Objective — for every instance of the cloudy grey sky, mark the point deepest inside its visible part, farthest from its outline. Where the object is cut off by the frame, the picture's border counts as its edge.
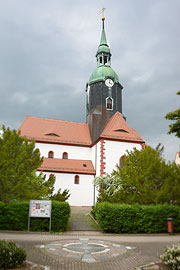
(47, 54)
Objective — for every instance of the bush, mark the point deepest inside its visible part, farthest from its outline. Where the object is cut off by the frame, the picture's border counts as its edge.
(14, 216)
(125, 218)
(11, 254)
(171, 257)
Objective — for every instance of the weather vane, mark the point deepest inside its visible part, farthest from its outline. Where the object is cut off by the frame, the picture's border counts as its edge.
(102, 11)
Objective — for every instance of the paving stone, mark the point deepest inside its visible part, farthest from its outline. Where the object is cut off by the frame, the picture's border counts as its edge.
(148, 249)
(88, 258)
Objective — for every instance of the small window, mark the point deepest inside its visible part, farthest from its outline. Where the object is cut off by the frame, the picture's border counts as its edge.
(121, 130)
(122, 161)
(65, 155)
(105, 60)
(76, 179)
(52, 134)
(100, 59)
(109, 103)
(84, 165)
(51, 154)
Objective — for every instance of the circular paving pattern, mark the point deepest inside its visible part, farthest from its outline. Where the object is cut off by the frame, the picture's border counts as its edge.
(85, 249)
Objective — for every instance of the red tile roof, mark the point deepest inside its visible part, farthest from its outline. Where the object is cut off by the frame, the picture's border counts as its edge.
(67, 165)
(56, 131)
(118, 129)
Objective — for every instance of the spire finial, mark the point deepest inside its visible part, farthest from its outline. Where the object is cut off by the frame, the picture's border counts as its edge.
(103, 18)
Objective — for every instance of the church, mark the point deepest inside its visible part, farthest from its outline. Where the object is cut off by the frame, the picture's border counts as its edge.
(77, 152)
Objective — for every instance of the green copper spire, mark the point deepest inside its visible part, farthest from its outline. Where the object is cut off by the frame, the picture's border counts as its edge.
(103, 36)
(103, 46)
(103, 56)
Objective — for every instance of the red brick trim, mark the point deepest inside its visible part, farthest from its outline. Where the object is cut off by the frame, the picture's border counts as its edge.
(102, 158)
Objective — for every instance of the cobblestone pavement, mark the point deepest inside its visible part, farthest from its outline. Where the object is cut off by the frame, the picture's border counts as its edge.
(80, 220)
(147, 249)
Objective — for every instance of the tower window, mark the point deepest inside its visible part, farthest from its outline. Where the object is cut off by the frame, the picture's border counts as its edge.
(100, 59)
(105, 60)
(65, 155)
(109, 103)
(76, 179)
(51, 154)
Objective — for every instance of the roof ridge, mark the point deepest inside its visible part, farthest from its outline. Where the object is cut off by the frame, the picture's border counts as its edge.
(50, 119)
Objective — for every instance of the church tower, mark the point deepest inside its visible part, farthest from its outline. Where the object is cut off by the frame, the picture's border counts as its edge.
(104, 91)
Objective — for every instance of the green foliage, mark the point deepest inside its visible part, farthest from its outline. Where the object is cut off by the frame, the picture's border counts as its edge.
(171, 257)
(19, 161)
(124, 218)
(11, 255)
(174, 115)
(60, 215)
(145, 178)
(14, 216)
(107, 187)
(61, 196)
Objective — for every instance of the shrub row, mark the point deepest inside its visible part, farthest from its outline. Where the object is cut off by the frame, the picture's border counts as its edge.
(124, 218)
(14, 216)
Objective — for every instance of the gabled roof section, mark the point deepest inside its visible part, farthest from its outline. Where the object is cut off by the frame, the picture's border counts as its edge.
(118, 129)
(67, 165)
(55, 131)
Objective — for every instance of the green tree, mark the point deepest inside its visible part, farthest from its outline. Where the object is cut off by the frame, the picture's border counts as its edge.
(174, 115)
(145, 178)
(61, 196)
(19, 161)
(107, 187)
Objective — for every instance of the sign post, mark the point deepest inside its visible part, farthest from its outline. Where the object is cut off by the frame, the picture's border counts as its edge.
(40, 209)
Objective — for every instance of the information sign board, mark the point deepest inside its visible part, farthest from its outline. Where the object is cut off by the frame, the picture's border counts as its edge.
(41, 209)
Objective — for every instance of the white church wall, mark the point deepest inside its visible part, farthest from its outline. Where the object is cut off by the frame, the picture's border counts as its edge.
(177, 158)
(96, 158)
(82, 194)
(74, 152)
(114, 150)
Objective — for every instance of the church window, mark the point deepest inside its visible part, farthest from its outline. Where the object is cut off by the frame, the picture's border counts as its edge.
(122, 161)
(51, 154)
(109, 103)
(100, 59)
(65, 155)
(76, 179)
(105, 60)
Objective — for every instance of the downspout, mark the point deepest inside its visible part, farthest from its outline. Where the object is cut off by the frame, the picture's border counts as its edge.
(94, 201)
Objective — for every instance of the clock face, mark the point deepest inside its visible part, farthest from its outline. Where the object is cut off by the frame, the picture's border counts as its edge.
(109, 83)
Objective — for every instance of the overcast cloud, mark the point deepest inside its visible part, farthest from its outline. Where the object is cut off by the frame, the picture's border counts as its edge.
(47, 54)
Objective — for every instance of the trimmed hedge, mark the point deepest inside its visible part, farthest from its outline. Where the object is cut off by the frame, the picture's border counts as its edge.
(124, 218)
(14, 216)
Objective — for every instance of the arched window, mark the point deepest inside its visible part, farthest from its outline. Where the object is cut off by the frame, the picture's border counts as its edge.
(51, 154)
(122, 161)
(65, 155)
(76, 179)
(109, 103)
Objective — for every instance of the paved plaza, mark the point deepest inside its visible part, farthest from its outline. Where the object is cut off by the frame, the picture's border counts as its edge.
(91, 249)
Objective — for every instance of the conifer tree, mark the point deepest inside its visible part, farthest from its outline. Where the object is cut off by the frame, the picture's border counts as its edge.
(19, 161)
